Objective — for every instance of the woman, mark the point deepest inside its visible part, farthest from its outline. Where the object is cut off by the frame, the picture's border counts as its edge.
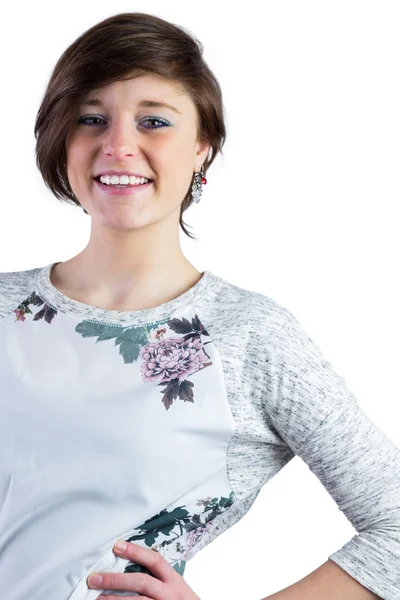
(200, 391)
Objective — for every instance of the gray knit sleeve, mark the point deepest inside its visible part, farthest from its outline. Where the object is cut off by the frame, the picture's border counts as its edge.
(14, 287)
(310, 406)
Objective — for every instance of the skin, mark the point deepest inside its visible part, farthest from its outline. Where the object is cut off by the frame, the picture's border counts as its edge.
(164, 584)
(134, 251)
(133, 259)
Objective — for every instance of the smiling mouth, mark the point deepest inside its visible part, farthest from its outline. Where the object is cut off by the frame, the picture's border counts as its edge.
(122, 185)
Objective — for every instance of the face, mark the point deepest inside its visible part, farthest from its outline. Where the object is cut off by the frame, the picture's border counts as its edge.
(119, 134)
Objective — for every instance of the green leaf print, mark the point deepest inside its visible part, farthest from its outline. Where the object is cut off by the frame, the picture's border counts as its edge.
(130, 340)
(168, 360)
(164, 522)
(180, 566)
(182, 529)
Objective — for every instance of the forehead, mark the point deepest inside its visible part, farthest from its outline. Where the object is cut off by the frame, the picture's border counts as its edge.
(143, 103)
(145, 91)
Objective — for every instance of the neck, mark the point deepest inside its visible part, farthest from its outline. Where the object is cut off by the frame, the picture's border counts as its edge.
(123, 287)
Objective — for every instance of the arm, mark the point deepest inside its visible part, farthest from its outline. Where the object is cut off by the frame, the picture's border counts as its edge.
(359, 466)
(328, 582)
(312, 409)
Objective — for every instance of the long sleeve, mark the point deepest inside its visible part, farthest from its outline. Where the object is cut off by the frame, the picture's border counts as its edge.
(318, 417)
(264, 394)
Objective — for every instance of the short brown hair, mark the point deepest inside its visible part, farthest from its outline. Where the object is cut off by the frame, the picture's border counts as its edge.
(122, 47)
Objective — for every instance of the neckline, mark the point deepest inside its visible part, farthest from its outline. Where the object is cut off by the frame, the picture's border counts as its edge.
(146, 316)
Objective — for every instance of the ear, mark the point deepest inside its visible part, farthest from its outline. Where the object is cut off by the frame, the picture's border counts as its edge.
(202, 151)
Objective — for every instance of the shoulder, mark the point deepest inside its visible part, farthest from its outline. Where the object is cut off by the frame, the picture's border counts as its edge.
(272, 342)
(263, 315)
(14, 287)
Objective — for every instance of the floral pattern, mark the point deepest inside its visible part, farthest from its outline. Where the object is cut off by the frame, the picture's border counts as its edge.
(168, 353)
(170, 361)
(187, 530)
(47, 313)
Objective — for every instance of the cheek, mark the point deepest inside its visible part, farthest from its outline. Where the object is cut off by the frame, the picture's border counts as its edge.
(178, 182)
(80, 149)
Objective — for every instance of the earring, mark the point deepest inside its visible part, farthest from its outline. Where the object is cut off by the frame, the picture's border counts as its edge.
(197, 185)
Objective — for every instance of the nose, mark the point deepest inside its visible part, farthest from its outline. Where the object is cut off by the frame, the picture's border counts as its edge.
(122, 138)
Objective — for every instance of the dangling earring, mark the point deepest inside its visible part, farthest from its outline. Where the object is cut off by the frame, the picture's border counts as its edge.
(197, 185)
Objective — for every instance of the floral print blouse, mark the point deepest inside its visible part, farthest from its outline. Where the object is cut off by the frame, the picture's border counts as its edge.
(160, 426)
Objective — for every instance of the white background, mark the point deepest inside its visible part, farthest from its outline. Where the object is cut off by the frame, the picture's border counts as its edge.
(302, 207)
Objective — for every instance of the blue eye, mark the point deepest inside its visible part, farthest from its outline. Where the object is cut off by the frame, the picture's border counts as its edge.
(163, 122)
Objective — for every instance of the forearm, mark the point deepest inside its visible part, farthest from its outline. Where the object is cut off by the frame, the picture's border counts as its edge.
(328, 582)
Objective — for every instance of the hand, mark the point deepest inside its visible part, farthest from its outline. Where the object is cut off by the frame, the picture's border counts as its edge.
(166, 584)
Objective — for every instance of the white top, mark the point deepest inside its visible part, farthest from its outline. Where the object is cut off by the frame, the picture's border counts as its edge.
(160, 426)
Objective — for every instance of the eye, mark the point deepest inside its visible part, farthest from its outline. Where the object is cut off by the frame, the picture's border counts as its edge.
(163, 122)
(85, 119)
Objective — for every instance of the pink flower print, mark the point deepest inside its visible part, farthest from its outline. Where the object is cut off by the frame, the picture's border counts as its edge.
(173, 358)
(20, 314)
(193, 537)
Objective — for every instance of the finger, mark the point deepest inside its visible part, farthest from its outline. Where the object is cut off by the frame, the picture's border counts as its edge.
(149, 558)
(112, 597)
(130, 582)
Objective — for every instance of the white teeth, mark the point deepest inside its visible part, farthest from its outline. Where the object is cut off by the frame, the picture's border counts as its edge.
(123, 180)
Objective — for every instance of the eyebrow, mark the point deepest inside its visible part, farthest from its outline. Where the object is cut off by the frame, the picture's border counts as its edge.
(141, 104)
